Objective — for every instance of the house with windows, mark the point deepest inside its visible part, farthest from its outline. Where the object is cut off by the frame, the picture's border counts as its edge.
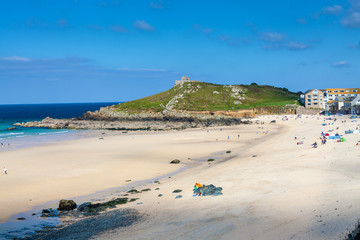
(333, 100)
(341, 104)
(342, 94)
(314, 98)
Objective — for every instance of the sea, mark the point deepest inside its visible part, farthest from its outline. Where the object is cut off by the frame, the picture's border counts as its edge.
(18, 113)
(12, 139)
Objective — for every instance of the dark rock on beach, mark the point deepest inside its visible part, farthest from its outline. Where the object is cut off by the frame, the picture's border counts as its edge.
(66, 205)
(89, 207)
(49, 213)
(177, 191)
(175, 161)
(90, 227)
(133, 191)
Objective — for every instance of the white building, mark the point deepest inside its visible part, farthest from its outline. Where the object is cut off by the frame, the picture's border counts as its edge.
(355, 105)
(332, 94)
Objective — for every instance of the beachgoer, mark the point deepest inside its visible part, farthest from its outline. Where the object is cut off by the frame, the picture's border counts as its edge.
(5, 170)
(228, 137)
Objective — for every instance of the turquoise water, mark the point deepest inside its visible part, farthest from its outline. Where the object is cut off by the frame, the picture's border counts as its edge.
(10, 114)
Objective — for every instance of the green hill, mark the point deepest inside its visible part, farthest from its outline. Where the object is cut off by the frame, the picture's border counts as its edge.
(201, 96)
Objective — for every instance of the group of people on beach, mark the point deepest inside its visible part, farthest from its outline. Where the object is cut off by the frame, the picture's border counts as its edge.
(323, 138)
(4, 144)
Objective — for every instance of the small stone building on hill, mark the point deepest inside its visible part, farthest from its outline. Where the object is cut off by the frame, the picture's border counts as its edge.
(184, 79)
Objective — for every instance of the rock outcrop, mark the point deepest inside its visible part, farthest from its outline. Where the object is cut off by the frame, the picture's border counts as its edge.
(66, 205)
(111, 119)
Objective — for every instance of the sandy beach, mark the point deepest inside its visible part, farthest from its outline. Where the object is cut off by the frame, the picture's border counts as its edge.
(272, 187)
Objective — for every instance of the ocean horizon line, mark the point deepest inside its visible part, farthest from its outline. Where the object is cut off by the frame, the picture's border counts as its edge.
(10, 104)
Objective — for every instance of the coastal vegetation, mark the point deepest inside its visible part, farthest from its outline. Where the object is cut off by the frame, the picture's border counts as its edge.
(201, 96)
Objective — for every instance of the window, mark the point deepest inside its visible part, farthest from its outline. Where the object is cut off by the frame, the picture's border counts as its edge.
(335, 90)
(315, 96)
(309, 100)
(342, 91)
(309, 96)
(355, 90)
(347, 90)
(330, 95)
(309, 103)
(315, 103)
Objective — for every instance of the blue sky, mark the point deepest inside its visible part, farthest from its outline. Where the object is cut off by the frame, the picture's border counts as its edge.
(106, 50)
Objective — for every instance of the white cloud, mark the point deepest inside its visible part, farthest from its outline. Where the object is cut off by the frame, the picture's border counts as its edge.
(341, 64)
(157, 5)
(292, 45)
(62, 22)
(332, 10)
(296, 45)
(224, 37)
(272, 46)
(351, 20)
(272, 37)
(355, 45)
(144, 26)
(206, 31)
(119, 28)
(142, 69)
(301, 20)
(16, 58)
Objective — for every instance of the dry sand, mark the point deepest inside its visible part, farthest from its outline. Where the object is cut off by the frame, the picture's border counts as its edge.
(286, 191)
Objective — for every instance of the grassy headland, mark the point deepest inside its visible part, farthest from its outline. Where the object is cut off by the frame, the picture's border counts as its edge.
(201, 96)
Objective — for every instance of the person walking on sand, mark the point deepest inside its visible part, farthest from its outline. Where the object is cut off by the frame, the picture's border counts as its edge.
(5, 170)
